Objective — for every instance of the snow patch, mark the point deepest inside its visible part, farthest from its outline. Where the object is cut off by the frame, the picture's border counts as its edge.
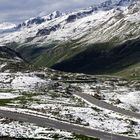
(8, 95)
(22, 82)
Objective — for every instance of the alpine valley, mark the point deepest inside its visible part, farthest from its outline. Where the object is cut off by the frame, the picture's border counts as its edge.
(97, 40)
(72, 76)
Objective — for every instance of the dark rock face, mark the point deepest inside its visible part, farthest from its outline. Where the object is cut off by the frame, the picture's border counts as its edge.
(71, 18)
(55, 14)
(6, 52)
(47, 31)
(37, 20)
(43, 32)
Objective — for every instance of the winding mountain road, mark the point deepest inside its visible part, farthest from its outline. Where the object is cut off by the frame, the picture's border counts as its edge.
(102, 104)
(45, 122)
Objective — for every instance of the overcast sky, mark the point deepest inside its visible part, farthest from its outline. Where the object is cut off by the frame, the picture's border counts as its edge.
(17, 11)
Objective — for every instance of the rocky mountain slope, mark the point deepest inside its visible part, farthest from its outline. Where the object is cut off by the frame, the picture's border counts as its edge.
(100, 39)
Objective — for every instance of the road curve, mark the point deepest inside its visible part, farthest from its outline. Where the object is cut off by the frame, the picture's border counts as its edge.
(45, 122)
(105, 105)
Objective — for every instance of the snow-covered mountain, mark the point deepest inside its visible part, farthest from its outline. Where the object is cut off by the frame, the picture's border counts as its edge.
(103, 19)
(58, 26)
(39, 20)
(51, 39)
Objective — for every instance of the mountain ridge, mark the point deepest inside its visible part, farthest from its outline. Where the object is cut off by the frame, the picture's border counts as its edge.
(55, 39)
(42, 22)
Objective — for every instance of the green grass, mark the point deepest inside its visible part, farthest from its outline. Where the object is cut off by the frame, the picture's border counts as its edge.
(25, 98)
(82, 137)
(130, 73)
(103, 58)
(58, 54)
(4, 102)
(73, 56)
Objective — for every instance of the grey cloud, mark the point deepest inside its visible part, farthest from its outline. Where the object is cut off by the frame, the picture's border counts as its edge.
(20, 10)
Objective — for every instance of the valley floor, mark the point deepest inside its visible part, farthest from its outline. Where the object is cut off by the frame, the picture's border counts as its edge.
(52, 94)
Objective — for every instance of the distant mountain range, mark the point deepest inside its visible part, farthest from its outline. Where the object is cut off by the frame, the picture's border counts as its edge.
(100, 39)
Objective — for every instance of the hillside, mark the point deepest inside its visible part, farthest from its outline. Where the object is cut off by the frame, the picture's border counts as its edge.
(100, 39)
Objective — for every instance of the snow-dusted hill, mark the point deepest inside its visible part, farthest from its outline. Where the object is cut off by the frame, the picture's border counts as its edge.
(54, 38)
(97, 23)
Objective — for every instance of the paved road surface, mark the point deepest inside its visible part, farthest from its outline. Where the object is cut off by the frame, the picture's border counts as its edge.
(45, 122)
(105, 105)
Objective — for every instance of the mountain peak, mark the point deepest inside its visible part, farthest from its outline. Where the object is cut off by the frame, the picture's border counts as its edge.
(109, 4)
(39, 19)
(53, 15)
(31, 21)
(59, 24)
